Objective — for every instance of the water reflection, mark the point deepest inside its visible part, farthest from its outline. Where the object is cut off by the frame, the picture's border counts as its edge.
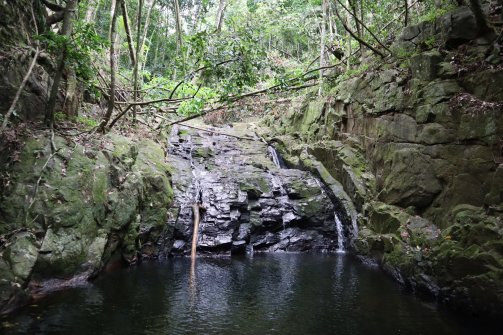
(266, 294)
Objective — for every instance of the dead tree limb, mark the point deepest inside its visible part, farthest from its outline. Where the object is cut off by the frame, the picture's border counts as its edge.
(196, 215)
(111, 100)
(125, 19)
(377, 52)
(363, 25)
(204, 112)
(38, 183)
(25, 79)
(20, 89)
(52, 6)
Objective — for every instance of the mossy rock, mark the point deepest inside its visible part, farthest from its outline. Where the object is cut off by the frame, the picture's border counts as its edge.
(21, 254)
(89, 202)
(255, 186)
(385, 218)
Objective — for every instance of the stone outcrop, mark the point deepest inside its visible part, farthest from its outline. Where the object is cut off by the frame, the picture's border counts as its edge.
(417, 145)
(17, 50)
(247, 201)
(66, 214)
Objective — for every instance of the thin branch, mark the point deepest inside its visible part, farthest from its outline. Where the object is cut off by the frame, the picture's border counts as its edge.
(38, 183)
(20, 90)
(25, 79)
(362, 24)
(125, 19)
(174, 90)
(357, 38)
(52, 6)
(204, 112)
(209, 66)
(150, 102)
(394, 20)
(121, 114)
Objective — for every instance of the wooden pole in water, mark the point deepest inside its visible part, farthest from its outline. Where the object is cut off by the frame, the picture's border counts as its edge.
(195, 211)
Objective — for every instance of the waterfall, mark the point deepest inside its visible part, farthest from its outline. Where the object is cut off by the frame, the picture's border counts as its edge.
(276, 183)
(249, 249)
(275, 180)
(275, 157)
(340, 234)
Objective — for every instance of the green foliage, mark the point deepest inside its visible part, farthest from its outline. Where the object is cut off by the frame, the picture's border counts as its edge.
(354, 72)
(262, 43)
(431, 42)
(195, 106)
(433, 13)
(59, 116)
(81, 48)
(86, 121)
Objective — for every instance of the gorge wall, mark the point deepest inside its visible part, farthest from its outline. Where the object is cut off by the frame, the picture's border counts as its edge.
(65, 215)
(416, 143)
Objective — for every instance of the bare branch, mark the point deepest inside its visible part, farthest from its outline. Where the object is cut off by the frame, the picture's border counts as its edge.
(356, 37)
(55, 18)
(52, 6)
(362, 24)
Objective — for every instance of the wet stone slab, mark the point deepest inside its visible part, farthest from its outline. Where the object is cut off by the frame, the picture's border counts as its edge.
(247, 201)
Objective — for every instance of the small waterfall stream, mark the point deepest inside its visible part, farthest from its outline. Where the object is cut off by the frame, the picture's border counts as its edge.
(246, 198)
(276, 158)
(340, 234)
(341, 243)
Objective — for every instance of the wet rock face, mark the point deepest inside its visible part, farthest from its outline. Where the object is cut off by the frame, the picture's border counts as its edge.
(246, 201)
(92, 203)
(419, 153)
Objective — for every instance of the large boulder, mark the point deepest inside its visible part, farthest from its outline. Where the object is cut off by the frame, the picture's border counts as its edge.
(78, 206)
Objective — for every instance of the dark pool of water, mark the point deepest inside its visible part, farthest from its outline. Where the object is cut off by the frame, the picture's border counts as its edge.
(267, 294)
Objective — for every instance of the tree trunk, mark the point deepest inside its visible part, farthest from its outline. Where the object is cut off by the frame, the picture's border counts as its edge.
(142, 67)
(114, 38)
(113, 5)
(66, 31)
(406, 19)
(178, 25)
(125, 18)
(220, 15)
(353, 7)
(480, 17)
(136, 67)
(323, 42)
(92, 8)
(145, 31)
(111, 99)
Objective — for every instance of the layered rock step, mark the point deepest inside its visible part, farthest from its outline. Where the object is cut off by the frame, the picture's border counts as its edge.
(247, 200)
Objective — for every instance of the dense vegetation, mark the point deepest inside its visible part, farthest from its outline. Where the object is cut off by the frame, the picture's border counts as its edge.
(193, 56)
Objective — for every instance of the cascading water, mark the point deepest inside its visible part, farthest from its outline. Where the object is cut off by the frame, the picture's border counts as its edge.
(276, 182)
(250, 200)
(277, 160)
(341, 239)
(340, 234)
